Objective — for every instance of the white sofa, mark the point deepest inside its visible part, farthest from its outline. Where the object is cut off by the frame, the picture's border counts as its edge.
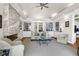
(16, 47)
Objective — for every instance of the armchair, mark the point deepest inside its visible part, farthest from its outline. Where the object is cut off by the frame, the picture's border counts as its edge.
(62, 38)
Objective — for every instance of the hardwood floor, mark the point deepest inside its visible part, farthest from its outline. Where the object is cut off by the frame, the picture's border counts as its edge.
(53, 49)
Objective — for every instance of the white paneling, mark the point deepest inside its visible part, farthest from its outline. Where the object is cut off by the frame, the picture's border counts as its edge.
(1, 33)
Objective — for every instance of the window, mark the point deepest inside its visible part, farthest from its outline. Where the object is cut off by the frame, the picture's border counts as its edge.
(27, 26)
(57, 26)
(49, 26)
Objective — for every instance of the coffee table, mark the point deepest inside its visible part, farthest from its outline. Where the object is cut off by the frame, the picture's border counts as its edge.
(42, 40)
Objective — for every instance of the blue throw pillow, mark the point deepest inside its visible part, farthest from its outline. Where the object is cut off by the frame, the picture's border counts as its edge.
(4, 52)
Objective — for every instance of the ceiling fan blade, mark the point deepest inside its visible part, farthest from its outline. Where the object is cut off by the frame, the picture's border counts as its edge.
(41, 8)
(46, 6)
(41, 4)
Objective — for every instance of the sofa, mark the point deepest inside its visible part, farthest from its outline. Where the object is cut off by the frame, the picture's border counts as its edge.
(16, 47)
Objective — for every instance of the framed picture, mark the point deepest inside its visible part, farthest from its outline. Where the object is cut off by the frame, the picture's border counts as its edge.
(26, 26)
(67, 24)
(77, 17)
(0, 21)
(49, 26)
(57, 26)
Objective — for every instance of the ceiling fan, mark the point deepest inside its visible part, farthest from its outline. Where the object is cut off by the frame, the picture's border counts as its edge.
(43, 5)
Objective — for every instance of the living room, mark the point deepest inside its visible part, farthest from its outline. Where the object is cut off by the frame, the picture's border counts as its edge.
(31, 28)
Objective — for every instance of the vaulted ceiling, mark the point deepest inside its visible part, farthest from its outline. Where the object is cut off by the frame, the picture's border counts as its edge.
(30, 9)
(33, 11)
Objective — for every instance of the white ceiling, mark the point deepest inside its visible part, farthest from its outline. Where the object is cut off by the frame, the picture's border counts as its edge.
(32, 11)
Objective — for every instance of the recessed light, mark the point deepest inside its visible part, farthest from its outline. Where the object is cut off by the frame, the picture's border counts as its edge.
(66, 16)
(70, 4)
(54, 14)
(24, 12)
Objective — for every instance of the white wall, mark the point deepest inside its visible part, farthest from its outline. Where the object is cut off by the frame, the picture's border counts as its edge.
(11, 25)
(68, 30)
(2, 7)
(10, 20)
(1, 33)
